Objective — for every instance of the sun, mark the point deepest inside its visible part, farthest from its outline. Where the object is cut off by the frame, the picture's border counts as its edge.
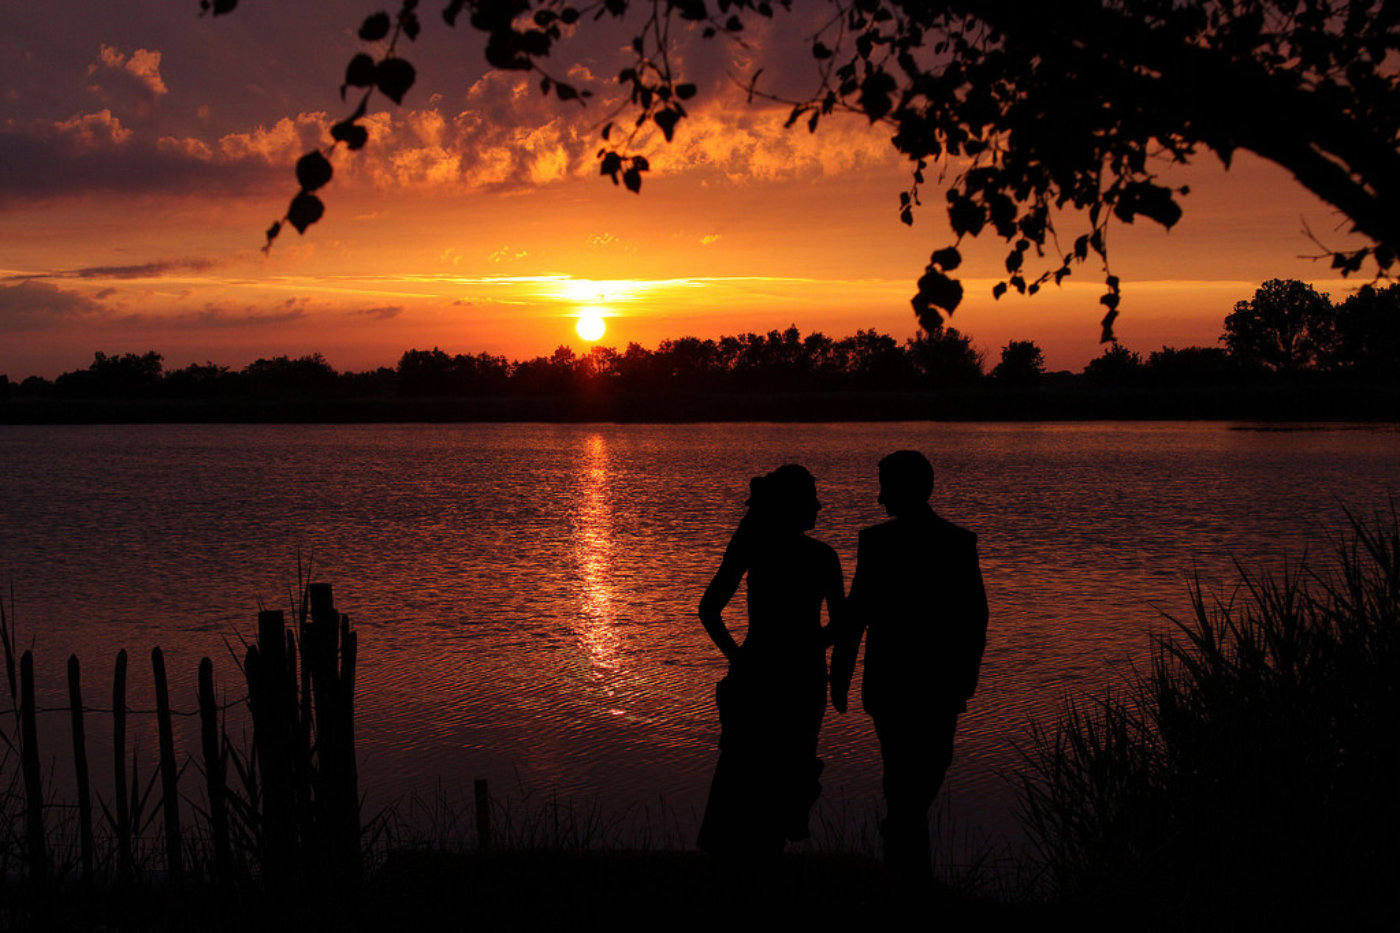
(590, 326)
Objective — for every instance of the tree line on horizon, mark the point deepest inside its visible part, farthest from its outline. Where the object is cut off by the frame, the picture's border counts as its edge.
(1287, 332)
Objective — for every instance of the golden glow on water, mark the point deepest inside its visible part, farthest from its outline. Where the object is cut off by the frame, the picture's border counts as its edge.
(593, 556)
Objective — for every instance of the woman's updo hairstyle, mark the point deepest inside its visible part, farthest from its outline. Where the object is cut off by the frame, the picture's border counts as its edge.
(784, 500)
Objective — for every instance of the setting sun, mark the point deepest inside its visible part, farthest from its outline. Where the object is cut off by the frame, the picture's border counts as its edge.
(590, 326)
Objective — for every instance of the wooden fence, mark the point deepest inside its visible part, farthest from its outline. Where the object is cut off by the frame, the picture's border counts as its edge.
(292, 818)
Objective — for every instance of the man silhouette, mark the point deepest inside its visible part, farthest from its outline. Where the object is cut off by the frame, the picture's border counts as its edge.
(918, 590)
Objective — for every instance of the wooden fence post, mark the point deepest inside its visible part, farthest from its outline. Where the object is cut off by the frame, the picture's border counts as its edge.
(169, 777)
(33, 783)
(125, 866)
(214, 778)
(272, 737)
(328, 647)
(80, 767)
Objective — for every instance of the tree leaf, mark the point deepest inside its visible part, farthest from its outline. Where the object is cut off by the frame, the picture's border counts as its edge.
(394, 77)
(352, 134)
(375, 27)
(313, 170)
(947, 258)
(304, 211)
(666, 118)
(360, 71)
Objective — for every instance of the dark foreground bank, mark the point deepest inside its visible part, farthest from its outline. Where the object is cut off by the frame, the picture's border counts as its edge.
(550, 890)
(1378, 403)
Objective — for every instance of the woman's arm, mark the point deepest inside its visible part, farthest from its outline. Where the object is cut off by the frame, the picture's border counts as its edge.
(717, 595)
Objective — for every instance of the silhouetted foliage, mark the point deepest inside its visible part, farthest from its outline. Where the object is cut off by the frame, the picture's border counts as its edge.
(1247, 780)
(1044, 107)
(946, 357)
(1368, 332)
(126, 375)
(1022, 364)
(1192, 366)
(1116, 366)
(1286, 327)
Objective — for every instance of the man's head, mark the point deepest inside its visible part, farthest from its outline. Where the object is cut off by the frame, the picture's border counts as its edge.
(906, 481)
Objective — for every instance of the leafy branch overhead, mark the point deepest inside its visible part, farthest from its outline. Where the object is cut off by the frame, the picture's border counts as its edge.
(1034, 114)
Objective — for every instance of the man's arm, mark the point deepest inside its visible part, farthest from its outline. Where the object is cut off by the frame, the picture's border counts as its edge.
(849, 626)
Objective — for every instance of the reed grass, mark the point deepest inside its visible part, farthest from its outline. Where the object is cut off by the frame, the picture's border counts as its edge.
(1249, 775)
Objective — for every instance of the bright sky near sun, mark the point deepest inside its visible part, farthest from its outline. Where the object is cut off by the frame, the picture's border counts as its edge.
(144, 149)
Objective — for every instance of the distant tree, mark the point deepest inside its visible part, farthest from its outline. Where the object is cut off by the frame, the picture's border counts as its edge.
(1286, 327)
(1191, 366)
(1116, 366)
(200, 381)
(877, 361)
(1032, 108)
(285, 376)
(35, 387)
(946, 357)
(1022, 364)
(4, 387)
(120, 376)
(1368, 332)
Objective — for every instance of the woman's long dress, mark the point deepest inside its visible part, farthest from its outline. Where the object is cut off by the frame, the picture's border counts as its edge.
(771, 706)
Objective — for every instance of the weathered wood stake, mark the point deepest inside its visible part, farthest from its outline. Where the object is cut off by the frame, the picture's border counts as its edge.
(214, 777)
(80, 767)
(169, 777)
(33, 784)
(125, 862)
(272, 736)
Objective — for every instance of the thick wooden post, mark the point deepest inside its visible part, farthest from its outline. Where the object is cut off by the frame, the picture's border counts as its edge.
(272, 736)
(35, 849)
(125, 862)
(169, 777)
(80, 767)
(327, 635)
(214, 778)
(483, 815)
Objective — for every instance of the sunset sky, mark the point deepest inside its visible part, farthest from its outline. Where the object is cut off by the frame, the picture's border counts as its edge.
(144, 149)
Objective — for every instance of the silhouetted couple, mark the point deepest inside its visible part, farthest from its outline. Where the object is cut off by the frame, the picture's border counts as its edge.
(917, 590)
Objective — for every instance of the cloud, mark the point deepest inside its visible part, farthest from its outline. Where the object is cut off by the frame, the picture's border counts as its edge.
(145, 270)
(506, 254)
(210, 317)
(382, 313)
(40, 305)
(142, 68)
(709, 238)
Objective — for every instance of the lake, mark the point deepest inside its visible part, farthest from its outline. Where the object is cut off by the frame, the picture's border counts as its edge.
(526, 594)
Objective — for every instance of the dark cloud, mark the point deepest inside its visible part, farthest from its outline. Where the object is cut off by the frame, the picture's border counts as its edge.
(210, 317)
(144, 270)
(382, 313)
(30, 306)
(97, 153)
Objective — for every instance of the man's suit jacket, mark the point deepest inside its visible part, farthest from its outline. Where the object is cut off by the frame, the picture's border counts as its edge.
(918, 591)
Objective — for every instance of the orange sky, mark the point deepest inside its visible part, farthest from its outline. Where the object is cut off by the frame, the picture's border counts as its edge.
(144, 164)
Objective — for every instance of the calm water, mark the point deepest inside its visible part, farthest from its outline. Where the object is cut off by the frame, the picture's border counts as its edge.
(526, 594)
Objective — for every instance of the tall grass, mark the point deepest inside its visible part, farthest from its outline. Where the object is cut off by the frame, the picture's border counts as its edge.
(1251, 773)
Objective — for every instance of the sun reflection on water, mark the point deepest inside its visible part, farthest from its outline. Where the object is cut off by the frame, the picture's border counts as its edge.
(593, 556)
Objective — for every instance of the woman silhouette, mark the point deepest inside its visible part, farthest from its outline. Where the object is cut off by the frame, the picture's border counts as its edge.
(772, 700)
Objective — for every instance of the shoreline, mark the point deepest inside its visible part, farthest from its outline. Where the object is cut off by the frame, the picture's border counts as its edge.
(1350, 403)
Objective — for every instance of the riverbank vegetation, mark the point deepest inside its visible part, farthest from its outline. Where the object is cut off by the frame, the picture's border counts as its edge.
(1287, 352)
(1247, 778)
